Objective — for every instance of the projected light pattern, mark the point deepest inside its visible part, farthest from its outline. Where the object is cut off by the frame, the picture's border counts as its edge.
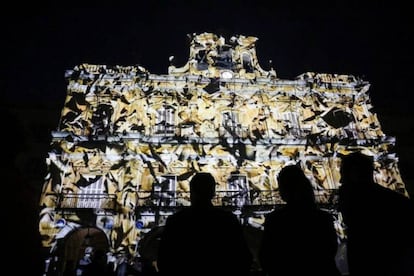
(129, 141)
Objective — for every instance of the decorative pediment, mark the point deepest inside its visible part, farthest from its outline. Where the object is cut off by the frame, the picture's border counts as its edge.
(213, 57)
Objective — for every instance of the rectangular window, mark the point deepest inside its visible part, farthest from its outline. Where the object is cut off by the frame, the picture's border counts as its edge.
(93, 195)
(291, 118)
(165, 121)
(238, 193)
(164, 190)
(230, 124)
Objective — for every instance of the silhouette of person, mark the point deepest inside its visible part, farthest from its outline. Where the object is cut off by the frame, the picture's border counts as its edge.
(298, 238)
(378, 221)
(203, 238)
(85, 260)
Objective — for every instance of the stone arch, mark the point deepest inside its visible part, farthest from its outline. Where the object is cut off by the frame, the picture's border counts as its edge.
(71, 248)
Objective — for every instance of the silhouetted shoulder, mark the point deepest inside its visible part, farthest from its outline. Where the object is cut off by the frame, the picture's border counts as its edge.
(378, 219)
(202, 215)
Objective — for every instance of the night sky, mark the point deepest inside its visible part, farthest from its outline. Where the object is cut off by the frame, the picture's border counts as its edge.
(372, 41)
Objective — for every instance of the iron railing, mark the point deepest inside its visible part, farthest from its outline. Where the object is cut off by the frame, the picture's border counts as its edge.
(229, 198)
(83, 201)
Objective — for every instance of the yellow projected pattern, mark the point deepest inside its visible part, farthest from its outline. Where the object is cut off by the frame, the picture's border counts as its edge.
(129, 140)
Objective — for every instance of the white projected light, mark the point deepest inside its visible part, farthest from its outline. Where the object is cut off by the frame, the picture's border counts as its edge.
(226, 74)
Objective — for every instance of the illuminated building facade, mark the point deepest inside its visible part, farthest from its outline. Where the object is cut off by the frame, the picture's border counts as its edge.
(129, 141)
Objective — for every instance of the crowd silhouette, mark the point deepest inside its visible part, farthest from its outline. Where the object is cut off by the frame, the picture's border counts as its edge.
(299, 238)
(379, 221)
(203, 239)
(98, 265)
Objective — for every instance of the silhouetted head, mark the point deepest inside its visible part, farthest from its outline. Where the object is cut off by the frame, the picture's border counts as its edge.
(294, 187)
(202, 188)
(357, 169)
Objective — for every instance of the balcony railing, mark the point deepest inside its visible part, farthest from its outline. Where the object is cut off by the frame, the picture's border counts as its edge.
(175, 198)
(229, 198)
(84, 201)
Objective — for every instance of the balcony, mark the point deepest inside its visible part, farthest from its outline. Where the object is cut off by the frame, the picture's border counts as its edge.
(176, 199)
(87, 201)
(231, 198)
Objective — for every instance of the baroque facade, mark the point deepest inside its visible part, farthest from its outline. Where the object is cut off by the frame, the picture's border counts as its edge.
(128, 142)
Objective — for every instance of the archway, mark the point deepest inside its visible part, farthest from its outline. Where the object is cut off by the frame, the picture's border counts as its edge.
(74, 245)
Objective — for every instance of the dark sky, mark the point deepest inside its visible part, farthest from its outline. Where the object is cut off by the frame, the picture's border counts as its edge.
(369, 40)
